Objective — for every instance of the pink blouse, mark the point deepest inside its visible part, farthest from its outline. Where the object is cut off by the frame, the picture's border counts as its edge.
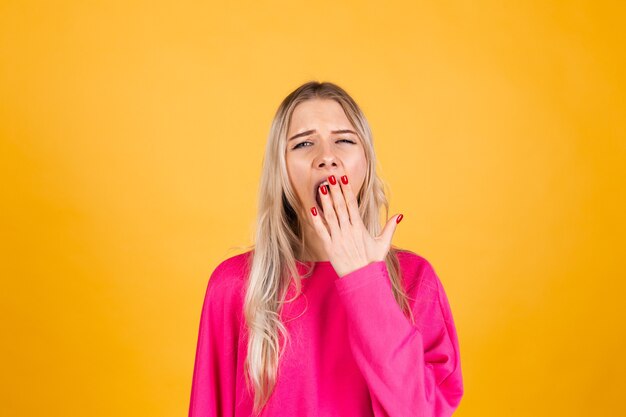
(352, 353)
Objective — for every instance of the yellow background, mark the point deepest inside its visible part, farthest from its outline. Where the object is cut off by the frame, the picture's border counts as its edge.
(131, 143)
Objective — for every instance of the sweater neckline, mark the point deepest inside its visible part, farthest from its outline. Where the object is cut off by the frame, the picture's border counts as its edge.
(318, 268)
(316, 263)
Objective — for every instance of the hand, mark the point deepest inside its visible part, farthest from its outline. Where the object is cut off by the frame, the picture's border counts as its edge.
(346, 240)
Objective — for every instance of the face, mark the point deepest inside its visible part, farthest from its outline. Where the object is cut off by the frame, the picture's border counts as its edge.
(326, 144)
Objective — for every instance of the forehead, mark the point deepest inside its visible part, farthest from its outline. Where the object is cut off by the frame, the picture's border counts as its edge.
(317, 114)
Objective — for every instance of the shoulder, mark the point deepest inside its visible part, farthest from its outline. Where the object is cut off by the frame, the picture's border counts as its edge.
(234, 268)
(225, 294)
(420, 277)
(228, 278)
(417, 271)
(423, 283)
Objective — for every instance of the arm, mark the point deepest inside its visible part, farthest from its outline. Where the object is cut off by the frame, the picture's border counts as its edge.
(213, 383)
(409, 372)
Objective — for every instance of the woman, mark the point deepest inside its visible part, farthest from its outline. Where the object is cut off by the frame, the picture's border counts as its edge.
(323, 316)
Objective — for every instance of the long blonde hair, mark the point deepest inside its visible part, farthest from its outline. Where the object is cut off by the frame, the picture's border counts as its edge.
(279, 236)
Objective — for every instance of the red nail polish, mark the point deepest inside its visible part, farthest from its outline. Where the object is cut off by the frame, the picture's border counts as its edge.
(314, 211)
(399, 218)
(324, 190)
(344, 179)
(332, 180)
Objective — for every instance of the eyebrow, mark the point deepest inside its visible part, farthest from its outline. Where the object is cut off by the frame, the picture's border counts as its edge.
(310, 132)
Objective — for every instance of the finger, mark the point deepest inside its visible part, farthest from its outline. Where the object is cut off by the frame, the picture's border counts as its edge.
(390, 228)
(351, 202)
(329, 211)
(339, 202)
(318, 225)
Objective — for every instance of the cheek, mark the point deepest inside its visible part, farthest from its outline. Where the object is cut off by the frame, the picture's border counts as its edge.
(293, 172)
(358, 180)
(299, 186)
(357, 172)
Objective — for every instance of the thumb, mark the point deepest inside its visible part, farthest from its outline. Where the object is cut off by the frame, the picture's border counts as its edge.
(390, 228)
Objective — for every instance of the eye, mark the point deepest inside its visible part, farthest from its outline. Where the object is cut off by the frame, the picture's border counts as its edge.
(299, 145)
(340, 140)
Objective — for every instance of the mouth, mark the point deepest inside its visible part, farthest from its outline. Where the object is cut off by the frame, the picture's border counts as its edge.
(319, 202)
(316, 194)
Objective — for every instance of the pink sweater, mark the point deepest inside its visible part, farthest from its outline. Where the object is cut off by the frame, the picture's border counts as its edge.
(352, 350)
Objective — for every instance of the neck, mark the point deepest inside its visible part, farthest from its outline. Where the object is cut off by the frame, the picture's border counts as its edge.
(314, 251)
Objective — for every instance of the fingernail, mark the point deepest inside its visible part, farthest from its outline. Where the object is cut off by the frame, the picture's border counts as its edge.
(324, 190)
(344, 179)
(314, 211)
(332, 180)
(399, 218)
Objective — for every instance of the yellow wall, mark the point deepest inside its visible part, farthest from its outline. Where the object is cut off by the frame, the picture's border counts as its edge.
(131, 139)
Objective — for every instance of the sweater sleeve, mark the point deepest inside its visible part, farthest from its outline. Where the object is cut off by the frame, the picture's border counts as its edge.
(407, 373)
(213, 383)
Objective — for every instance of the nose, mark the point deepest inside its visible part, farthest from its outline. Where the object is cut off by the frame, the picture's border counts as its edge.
(327, 157)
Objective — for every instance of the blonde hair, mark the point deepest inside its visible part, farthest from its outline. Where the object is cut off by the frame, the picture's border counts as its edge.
(279, 236)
